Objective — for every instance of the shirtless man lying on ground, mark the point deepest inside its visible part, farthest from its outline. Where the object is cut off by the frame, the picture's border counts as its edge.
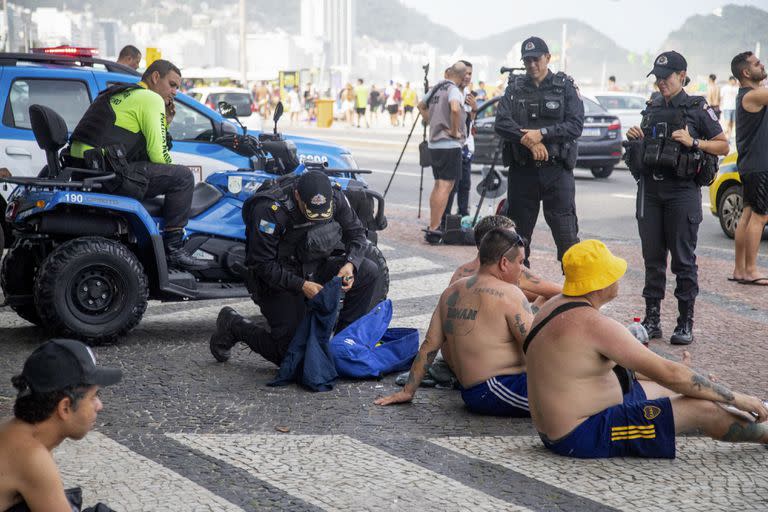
(58, 399)
(532, 285)
(577, 403)
(480, 323)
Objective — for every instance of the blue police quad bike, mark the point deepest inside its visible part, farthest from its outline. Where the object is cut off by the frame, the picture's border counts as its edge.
(85, 263)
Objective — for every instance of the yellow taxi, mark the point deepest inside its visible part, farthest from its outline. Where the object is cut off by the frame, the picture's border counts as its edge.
(725, 197)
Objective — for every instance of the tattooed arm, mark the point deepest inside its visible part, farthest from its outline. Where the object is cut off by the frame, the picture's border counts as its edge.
(519, 314)
(616, 343)
(535, 285)
(426, 356)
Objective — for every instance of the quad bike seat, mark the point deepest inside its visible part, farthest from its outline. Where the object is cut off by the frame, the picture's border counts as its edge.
(203, 197)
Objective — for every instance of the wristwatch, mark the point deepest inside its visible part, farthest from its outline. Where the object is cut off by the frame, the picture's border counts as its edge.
(543, 132)
(695, 144)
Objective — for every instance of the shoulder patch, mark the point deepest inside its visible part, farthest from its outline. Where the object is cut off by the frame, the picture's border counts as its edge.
(711, 112)
(267, 227)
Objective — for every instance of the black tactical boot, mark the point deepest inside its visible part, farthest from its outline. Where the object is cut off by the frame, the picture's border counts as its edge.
(652, 322)
(175, 254)
(683, 334)
(223, 339)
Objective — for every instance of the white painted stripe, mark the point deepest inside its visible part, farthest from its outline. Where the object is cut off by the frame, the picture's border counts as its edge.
(634, 196)
(245, 307)
(421, 286)
(412, 264)
(336, 472)
(400, 173)
(385, 247)
(632, 484)
(420, 322)
(507, 396)
(111, 473)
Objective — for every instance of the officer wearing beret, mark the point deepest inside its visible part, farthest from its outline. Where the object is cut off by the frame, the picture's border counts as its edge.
(300, 233)
(672, 154)
(540, 117)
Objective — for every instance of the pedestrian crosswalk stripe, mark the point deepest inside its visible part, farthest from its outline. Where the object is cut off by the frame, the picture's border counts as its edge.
(336, 472)
(421, 286)
(412, 264)
(632, 484)
(110, 473)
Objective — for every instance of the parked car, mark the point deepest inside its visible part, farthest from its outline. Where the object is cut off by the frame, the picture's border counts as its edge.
(625, 105)
(69, 81)
(725, 195)
(241, 99)
(599, 144)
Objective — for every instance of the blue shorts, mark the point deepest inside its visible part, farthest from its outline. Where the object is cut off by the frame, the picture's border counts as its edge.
(504, 395)
(635, 428)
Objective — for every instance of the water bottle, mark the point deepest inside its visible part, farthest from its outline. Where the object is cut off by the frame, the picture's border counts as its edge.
(466, 222)
(638, 331)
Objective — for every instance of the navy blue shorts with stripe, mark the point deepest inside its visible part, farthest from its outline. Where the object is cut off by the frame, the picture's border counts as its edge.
(504, 395)
(635, 428)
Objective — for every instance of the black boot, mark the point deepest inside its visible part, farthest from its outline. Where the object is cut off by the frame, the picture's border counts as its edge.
(683, 334)
(223, 339)
(652, 322)
(175, 254)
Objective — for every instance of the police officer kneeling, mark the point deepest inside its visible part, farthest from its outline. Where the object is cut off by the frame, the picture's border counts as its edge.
(540, 117)
(672, 155)
(293, 231)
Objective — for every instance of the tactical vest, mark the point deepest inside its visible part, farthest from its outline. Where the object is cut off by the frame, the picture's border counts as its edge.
(97, 127)
(534, 108)
(659, 156)
(440, 115)
(305, 245)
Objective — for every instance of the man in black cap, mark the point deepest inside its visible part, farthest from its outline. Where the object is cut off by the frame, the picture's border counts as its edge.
(58, 399)
(540, 117)
(300, 233)
(673, 155)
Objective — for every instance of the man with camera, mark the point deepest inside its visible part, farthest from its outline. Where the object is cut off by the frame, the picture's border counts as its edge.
(672, 157)
(540, 117)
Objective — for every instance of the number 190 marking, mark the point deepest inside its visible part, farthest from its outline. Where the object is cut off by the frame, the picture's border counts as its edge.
(73, 198)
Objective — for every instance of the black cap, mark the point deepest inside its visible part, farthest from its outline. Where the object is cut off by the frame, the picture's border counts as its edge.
(316, 193)
(533, 47)
(668, 63)
(60, 363)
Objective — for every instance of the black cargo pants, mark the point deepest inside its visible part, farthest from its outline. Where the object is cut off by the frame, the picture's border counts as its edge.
(555, 188)
(177, 184)
(284, 310)
(670, 226)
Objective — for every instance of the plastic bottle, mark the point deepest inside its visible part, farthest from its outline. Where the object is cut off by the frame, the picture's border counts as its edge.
(466, 222)
(638, 331)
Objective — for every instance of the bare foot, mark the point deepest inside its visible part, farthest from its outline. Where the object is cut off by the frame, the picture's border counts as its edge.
(686, 358)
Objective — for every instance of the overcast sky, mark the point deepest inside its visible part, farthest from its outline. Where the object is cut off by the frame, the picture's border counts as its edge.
(638, 25)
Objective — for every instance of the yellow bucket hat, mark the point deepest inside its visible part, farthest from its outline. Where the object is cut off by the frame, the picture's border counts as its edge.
(590, 266)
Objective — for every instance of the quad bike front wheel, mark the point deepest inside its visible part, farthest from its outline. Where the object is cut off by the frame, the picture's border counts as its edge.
(91, 288)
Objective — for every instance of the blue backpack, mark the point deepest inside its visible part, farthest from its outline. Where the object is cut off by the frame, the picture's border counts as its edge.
(367, 348)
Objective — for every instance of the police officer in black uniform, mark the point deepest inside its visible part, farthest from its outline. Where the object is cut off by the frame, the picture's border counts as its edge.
(300, 233)
(540, 117)
(672, 154)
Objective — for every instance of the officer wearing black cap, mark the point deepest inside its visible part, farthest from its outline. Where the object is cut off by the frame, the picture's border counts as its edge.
(540, 117)
(300, 233)
(58, 399)
(672, 154)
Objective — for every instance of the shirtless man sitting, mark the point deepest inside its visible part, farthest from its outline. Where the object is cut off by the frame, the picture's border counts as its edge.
(577, 403)
(532, 285)
(480, 323)
(57, 399)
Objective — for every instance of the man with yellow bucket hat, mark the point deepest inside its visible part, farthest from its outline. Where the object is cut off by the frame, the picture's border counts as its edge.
(578, 405)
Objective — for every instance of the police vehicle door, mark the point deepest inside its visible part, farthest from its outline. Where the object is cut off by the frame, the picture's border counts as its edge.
(68, 92)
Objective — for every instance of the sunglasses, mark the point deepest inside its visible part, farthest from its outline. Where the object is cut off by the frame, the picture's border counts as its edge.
(516, 241)
(530, 60)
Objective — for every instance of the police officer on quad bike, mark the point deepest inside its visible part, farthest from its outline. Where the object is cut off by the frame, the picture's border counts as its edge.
(300, 232)
(124, 131)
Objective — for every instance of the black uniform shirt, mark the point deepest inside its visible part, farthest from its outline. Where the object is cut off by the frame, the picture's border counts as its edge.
(270, 220)
(700, 118)
(573, 119)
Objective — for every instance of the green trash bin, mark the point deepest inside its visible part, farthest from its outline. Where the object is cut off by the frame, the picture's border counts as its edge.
(324, 113)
